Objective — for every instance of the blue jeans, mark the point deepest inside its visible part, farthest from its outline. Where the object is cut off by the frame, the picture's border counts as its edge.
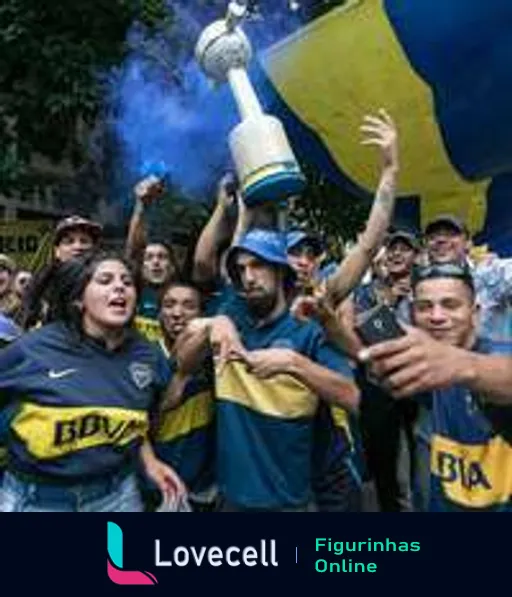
(113, 494)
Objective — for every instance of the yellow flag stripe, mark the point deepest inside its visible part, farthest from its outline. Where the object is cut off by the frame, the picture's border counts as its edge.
(349, 63)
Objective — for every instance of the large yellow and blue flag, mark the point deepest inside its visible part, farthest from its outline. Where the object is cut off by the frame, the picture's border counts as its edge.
(442, 69)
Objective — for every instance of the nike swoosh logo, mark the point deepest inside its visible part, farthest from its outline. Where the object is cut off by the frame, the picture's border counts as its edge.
(52, 374)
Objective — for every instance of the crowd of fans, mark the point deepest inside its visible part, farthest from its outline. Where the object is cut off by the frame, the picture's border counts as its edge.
(266, 378)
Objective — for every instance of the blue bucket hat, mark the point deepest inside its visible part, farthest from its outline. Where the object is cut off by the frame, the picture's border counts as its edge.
(267, 245)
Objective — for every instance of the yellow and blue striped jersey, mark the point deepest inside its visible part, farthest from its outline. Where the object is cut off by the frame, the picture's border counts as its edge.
(80, 410)
(265, 427)
(185, 436)
(147, 321)
(336, 459)
(470, 452)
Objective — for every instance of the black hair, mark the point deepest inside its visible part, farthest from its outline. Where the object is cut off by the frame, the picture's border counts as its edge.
(288, 273)
(181, 283)
(453, 269)
(61, 285)
(35, 299)
(170, 251)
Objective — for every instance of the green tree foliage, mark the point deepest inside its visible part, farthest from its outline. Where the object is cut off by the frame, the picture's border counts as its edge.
(325, 208)
(51, 56)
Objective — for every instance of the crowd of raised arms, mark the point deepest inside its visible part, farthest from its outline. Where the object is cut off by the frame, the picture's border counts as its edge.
(267, 377)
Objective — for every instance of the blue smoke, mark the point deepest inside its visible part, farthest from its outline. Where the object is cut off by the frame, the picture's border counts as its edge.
(166, 116)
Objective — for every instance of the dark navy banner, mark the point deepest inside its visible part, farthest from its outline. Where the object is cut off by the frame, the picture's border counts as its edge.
(116, 554)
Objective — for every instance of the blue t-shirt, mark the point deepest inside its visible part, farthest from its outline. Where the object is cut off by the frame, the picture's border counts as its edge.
(265, 427)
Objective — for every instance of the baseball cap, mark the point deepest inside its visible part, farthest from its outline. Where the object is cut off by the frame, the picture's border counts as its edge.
(404, 235)
(268, 245)
(457, 270)
(448, 220)
(294, 238)
(77, 222)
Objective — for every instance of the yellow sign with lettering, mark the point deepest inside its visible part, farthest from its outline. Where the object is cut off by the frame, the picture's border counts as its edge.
(29, 243)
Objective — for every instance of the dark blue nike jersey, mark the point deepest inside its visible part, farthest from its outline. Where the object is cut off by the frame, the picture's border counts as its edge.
(80, 410)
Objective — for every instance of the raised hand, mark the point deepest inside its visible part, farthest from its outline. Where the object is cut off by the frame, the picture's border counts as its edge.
(415, 363)
(226, 191)
(149, 189)
(380, 131)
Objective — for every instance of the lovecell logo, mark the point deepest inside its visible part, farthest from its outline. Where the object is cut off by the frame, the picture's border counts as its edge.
(115, 561)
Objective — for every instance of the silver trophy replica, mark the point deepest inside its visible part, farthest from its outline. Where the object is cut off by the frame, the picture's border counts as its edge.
(267, 169)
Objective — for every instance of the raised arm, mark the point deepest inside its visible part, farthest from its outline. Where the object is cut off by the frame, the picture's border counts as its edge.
(146, 191)
(243, 221)
(381, 132)
(217, 230)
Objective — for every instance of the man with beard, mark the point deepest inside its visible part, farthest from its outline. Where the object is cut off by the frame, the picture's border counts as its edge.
(467, 418)
(271, 371)
(447, 240)
(185, 438)
(378, 131)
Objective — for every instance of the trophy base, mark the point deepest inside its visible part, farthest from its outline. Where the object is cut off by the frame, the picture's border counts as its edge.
(264, 160)
(276, 183)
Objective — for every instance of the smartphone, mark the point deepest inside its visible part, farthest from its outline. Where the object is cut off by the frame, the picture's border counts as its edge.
(378, 324)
